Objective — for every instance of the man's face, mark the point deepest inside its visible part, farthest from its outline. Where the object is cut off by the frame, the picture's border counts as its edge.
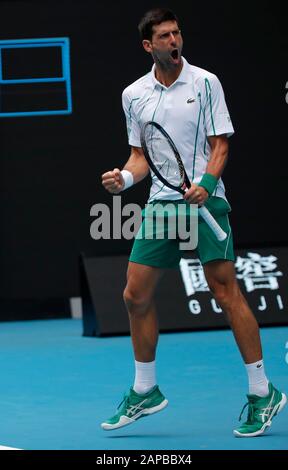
(166, 44)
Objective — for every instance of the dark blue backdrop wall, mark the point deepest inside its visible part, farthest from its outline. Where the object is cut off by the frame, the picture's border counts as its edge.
(50, 166)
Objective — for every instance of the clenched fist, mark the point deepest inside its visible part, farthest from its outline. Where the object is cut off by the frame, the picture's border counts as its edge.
(113, 181)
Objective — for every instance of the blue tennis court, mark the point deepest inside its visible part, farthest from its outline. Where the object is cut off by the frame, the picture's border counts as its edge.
(58, 386)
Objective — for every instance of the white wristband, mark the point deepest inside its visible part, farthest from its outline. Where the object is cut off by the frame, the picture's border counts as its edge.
(128, 179)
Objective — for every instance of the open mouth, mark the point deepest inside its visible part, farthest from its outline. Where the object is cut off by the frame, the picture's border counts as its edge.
(175, 54)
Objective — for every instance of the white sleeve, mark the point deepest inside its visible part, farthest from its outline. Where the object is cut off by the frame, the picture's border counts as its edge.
(133, 128)
(217, 119)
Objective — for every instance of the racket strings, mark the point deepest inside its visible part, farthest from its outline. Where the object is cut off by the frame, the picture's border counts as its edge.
(163, 156)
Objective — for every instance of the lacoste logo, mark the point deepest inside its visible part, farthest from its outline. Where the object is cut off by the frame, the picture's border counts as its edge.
(190, 100)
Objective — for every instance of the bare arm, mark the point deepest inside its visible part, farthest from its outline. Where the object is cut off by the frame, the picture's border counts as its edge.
(219, 155)
(113, 180)
(137, 164)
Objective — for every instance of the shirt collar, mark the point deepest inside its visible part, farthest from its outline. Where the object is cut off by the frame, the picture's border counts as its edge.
(184, 77)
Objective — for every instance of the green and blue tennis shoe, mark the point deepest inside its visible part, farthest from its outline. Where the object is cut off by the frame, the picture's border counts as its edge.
(135, 406)
(261, 411)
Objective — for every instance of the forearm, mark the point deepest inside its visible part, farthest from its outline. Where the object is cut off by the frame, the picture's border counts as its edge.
(217, 162)
(199, 193)
(137, 165)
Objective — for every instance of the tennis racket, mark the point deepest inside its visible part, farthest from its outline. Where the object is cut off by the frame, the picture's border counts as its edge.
(166, 163)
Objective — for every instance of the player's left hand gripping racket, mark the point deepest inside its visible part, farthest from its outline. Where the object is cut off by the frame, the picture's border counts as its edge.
(166, 163)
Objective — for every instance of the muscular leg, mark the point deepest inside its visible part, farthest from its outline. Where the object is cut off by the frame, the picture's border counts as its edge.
(221, 278)
(144, 397)
(262, 395)
(138, 296)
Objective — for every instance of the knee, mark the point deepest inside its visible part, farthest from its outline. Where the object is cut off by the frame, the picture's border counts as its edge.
(135, 302)
(225, 295)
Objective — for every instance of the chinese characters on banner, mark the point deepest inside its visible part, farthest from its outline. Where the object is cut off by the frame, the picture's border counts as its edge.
(254, 271)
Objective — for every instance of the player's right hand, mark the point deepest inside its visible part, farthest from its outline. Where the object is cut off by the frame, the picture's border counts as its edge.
(113, 181)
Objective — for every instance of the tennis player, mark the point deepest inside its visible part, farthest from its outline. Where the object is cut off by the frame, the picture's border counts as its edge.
(190, 105)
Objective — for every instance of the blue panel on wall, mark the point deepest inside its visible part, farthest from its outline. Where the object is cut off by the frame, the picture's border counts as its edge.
(15, 92)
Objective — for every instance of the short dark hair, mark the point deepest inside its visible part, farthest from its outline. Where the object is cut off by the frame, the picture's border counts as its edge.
(154, 17)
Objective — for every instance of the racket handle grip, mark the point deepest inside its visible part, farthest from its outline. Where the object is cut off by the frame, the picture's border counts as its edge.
(209, 219)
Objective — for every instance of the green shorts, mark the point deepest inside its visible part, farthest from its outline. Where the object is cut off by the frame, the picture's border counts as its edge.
(165, 253)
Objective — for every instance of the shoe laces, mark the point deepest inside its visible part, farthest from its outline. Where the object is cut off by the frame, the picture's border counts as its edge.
(251, 412)
(124, 400)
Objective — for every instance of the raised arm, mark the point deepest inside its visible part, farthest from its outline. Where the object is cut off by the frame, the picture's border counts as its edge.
(113, 181)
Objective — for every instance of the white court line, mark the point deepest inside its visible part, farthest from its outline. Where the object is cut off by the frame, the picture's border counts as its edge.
(8, 448)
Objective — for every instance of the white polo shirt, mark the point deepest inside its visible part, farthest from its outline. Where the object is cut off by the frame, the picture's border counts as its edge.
(191, 109)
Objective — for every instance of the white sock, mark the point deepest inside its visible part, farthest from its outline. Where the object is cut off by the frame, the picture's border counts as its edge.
(145, 376)
(258, 382)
